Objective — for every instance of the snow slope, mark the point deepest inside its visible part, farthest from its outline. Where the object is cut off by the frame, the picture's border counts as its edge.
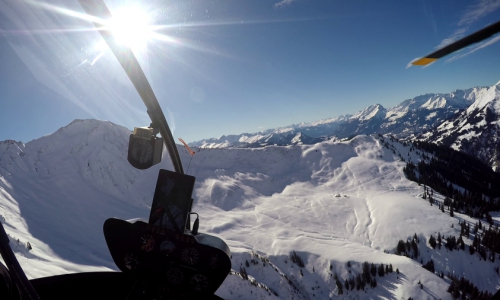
(332, 203)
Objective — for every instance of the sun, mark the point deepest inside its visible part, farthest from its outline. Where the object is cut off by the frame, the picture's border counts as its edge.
(130, 27)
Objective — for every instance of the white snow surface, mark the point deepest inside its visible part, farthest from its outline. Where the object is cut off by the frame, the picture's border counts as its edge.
(331, 202)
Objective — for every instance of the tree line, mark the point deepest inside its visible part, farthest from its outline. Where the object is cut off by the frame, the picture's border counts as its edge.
(471, 187)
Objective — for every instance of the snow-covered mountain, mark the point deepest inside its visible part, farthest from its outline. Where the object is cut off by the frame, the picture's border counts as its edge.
(475, 130)
(412, 116)
(296, 134)
(335, 204)
(366, 121)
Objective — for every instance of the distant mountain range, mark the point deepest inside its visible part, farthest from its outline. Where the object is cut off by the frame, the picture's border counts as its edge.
(303, 133)
(467, 120)
(474, 130)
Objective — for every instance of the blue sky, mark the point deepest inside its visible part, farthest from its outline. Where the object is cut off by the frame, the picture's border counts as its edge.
(228, 67)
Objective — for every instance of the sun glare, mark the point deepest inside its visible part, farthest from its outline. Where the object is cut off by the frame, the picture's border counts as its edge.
(130, 27)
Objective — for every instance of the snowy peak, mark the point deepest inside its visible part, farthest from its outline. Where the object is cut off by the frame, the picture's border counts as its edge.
(412, 116)
(372, 111)
(81, 132)
(303, 133)
(84, 142)
(409, 118)
(474, 130)
(97, 149)
(457, 99)
(440, 102)
(11, 147)
(487, 98)
(11, 153)
(339, 119)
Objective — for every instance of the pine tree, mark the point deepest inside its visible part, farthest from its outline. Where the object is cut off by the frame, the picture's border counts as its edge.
(297, 259)
(373, 270)
(340, 287)
(429, 266)
(447, 202)
(366, 272)
(475, 242)
(432, 242)
(471, 250)
(243, 273)
(381, 270)
(401, 248)
(461, 244)
(415, 247)
(489, 219)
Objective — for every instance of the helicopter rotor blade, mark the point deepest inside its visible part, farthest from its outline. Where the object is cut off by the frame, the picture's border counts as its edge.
(131, 66)
(462, 43)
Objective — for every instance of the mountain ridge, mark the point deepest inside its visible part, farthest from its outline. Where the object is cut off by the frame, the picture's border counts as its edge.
(474, 130)
(410, 117)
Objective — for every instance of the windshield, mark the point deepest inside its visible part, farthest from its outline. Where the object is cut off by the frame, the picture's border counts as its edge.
(313, 139)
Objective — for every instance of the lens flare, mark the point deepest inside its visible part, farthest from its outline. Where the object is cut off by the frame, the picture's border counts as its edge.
(130, 26)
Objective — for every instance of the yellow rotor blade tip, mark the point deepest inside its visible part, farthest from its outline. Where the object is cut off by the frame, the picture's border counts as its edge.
(423, 61)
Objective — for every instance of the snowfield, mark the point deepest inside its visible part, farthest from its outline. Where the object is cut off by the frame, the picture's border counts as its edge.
(332, 203)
